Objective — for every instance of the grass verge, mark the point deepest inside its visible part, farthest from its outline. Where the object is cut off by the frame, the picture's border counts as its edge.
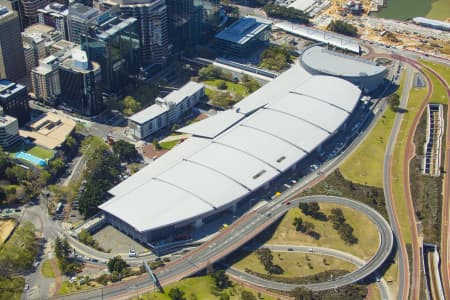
(336, 185)
(365, 165)
(296, 264)
(367, 235)
(168, 145)
(201, 287)
(443, 70)
(47, 270)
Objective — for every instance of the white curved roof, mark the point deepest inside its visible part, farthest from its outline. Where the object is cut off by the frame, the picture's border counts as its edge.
(333, 63)
(238, 152)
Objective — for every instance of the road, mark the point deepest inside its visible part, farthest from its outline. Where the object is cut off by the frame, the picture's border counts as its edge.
(404, 280)
(321, 251)
(407, 157)
(240, 233)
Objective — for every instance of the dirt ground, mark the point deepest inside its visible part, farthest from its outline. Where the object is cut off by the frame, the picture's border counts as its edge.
(6, 227)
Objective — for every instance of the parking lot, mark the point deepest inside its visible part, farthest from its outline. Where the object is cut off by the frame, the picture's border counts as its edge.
(110, 238)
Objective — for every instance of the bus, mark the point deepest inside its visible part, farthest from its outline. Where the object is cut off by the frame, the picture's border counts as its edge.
(59, 208)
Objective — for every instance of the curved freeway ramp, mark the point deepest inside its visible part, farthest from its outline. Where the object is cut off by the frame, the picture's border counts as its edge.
(382, 285)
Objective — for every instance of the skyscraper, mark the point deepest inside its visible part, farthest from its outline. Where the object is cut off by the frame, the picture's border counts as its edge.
(113, 42)
(45, 82)
(30, 11)
(80, 79)
(184, 23)
(79, 17)
(12, 59)
(55, 15)
(153, 32)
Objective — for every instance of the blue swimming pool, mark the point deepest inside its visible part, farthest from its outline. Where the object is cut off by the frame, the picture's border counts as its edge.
(31, 158)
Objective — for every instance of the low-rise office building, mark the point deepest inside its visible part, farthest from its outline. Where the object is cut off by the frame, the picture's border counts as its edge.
(9, 130)
(14, 100)
(166, 111)
(241, 38)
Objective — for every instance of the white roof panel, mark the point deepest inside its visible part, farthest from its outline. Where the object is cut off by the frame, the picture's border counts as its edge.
(239, 166)
(277, 153)
(161, 164)
(154, 205)
(338, 64)
(333, 90)
(274, 90)
(306, 108)
(214, 125)
(204, 183)
(291, 129)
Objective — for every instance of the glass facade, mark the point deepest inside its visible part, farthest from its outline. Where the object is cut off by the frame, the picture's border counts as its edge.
(113, 42)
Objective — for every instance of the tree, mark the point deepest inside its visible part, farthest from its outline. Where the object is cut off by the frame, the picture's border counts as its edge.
(176, 294)
(301, 293)
(4, 162)
(221, 279)
(125, 151)
(246, 295)
(394, 102)
(117, 264)
(298, 223)
(16, 174)
(310, 209)
(342, 28)
(308, 227)
(222, 85)
(85, 237)
(288, 13)
(276, 58)
(337, 217)
(55, 165)
(250, 83)
(71, 142)
(130, 105)
(156, 144)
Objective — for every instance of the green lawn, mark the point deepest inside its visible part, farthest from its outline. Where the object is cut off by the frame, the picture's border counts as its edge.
(203, 288)
(41, 152)
(404, 9)
(443, 70)
(67, 287)
(235, 88)
(11, 289)
(367, 234)
(47, 270)
(33, 150)
(168, 145)
(296, 264)
(365, 165)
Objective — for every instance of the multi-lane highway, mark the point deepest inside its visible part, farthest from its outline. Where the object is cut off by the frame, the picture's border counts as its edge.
(240, 233)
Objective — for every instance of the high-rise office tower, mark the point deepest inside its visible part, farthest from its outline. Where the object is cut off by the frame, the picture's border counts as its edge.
(113, 41)
(152, 26)
(79, 17)
(45, 82)
(12, 59)
(30, 10)
(184, 21)
(79, 79)
(55, 15)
